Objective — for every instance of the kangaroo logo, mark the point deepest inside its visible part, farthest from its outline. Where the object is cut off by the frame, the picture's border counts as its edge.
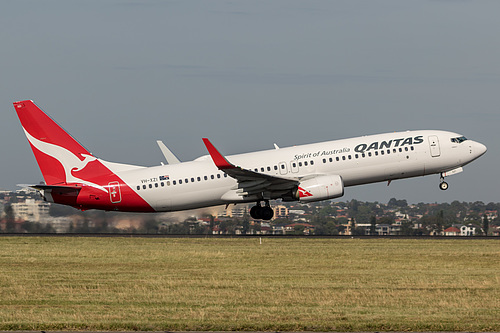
(69, 161)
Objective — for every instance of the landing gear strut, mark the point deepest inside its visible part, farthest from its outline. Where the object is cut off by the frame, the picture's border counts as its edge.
(442, 184)
(262, 213)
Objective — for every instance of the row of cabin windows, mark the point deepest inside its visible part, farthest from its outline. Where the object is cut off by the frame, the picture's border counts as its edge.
(262, 169)
(180, 181)
(369, 154)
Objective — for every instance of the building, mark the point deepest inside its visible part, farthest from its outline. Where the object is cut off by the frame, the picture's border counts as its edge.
(31, 210)
(451, 231)
(466, 230)
(281, 212)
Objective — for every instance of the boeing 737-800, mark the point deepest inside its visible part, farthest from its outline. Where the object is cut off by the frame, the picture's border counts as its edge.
(307, 173)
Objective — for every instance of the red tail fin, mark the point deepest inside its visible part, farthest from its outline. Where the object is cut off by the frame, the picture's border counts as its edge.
(72, 175)
(57, 153)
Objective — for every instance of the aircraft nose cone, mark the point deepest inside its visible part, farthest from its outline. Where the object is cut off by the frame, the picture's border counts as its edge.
(480, 148)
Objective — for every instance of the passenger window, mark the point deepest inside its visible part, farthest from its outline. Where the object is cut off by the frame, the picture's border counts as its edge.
(174, 182)
(150, 185)
(162, 184)
(138, 188)
(369, 154)
(180, 181)
(198, 179)
(144, 187)
(382, 152)
(330, 159)
(406, 148)
(343, 158)
(356, 156)
(186, 180)
(205, 177)
(156, 184)
(300, 164)
(225, 175)
(268, 168)
(305, 163)
(312, 162)
(212, 177)
(350, 157)
(324, 160)
(283, 166)
(376, 153)
(337, 158)
(218, 175)
(261, 169)
(276, 167)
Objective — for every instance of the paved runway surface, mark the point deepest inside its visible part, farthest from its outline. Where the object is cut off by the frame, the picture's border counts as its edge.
(212, 332)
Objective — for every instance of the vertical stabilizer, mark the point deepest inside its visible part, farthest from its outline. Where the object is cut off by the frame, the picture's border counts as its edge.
(57, 152)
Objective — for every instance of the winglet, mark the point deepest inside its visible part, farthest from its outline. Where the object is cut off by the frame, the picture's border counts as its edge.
(219, 160)
(169, 156)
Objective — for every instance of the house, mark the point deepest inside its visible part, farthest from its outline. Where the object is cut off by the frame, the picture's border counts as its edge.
(451, 231)
(308, 228)
(467, 230)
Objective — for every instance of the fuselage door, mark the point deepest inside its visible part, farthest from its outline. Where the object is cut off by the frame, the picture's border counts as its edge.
(434, 145)
(294, 166)
(283, 169)
(115, 195)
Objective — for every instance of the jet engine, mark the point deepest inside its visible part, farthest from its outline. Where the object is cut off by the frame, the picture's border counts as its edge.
(320, 188)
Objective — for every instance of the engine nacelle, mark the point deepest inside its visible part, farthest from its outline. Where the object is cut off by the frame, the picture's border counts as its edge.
(321, 188)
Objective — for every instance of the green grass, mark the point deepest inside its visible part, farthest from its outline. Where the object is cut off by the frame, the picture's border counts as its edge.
(53, 283)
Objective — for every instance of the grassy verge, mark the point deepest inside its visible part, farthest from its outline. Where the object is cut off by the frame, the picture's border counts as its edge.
(238, 284)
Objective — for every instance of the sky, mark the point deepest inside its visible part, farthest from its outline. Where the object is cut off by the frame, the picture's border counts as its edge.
(119, 75)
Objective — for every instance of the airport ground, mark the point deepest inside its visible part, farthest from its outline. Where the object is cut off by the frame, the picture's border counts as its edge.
(249, 284)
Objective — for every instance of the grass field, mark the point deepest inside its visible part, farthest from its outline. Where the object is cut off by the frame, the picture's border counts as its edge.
(56, 283)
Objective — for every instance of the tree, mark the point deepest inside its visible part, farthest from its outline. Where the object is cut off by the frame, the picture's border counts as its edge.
(245, 223)
(486, 225)
(150, 226)
(373, 225)
(9, 217)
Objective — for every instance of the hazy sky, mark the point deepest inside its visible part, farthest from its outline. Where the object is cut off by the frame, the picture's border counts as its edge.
(118, 75)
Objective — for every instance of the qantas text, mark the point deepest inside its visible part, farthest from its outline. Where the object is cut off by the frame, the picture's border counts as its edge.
(363, 147)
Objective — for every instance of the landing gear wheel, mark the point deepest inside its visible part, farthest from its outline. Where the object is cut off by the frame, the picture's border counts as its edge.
(258, 212)
(443, 186)
(267, 213)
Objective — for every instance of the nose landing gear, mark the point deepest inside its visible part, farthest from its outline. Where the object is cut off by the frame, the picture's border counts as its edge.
(262, 213)
(442, 184)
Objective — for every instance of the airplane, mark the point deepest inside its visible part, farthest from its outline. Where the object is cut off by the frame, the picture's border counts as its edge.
(306, 173)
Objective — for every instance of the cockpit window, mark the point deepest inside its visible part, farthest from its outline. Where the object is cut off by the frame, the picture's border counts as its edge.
(459, 139)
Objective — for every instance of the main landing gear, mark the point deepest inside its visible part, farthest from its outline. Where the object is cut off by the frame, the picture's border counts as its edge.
(442, 184)
(262, 213)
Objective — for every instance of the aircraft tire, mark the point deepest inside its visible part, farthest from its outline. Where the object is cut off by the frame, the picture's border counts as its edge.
(256, 212)
(443, 186)
(267, 213)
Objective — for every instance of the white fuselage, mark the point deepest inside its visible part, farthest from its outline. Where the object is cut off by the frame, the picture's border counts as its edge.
(357, 161)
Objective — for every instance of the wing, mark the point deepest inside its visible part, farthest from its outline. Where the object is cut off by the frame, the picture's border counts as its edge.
(252, 185)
